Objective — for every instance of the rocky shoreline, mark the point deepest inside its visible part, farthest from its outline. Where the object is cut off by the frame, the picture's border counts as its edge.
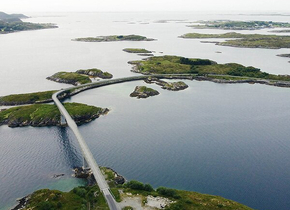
(143, 92)
(174, 86)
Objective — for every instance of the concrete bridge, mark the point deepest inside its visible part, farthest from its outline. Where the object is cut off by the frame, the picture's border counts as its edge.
(87, 155)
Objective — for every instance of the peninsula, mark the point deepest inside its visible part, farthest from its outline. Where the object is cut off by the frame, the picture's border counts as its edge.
(239, 25)
(245, 40)
(129, 195)
(114, 38)
(13, 23)
(39, 115)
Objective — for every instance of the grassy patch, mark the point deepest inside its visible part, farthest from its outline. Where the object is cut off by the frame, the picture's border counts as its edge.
(246, 40)
(181, 65)
(47, 114)
(70, 78)
(77, 199)
(28, 98)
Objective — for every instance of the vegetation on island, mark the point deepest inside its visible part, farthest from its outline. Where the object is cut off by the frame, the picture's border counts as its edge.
(13, 23)
(90, 197)
(48, 114)
(143, 92)
(80, 76)
(181, 65)
(136, 50)
(114, 38)
(70, 78)
(245, 40)
(95, 73)
(27, 98)
(239, 25)
(174, 86)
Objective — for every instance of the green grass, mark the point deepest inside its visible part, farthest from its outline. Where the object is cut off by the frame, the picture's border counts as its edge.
(28, 98)
(114, 38)
(136, 50)
(240, 25)
(80, 198)
(246, 40)
(47, 114)
(181, 65)
(70, 78)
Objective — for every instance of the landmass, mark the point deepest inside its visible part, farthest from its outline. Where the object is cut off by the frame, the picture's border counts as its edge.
(239, 25)
(207, 69)
(245, 40)
(129, 195)
(280, 31)
(38, 115)
(28, 98)
(95, 73)
(114, 38)
(136, 50)
(174, 86)
(79, 77)
(143, 92)
(13, 23)
(284, 55)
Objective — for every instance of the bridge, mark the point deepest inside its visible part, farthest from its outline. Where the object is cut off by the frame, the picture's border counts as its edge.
(87, 155)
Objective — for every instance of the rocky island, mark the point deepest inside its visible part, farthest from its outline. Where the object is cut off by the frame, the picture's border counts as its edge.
(39, 115)
(239, 25)
(245, 40)
(143, 92)
(79, 77)
(95, 73)
(114, 38)
(174, 86)
(10, 23)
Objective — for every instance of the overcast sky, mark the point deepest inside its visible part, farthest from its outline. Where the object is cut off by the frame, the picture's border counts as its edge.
(142, 5)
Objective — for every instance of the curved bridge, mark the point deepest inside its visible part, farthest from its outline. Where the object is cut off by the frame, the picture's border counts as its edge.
(88, 157)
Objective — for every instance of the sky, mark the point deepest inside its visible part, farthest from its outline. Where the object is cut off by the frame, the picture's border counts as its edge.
(12, 6)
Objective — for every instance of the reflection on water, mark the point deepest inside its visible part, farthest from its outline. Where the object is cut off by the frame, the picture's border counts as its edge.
(72, 157)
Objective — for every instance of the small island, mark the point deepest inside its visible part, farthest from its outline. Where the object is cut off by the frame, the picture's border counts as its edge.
(114, 38)
(95, 73)
(38, 115)
(174, 86)
(136, 50)
(129, 195)
(245, 40)
(284, 55)
(79, 77)
(13, 23)
(143, 92)
(239, 25)
(280, 31)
